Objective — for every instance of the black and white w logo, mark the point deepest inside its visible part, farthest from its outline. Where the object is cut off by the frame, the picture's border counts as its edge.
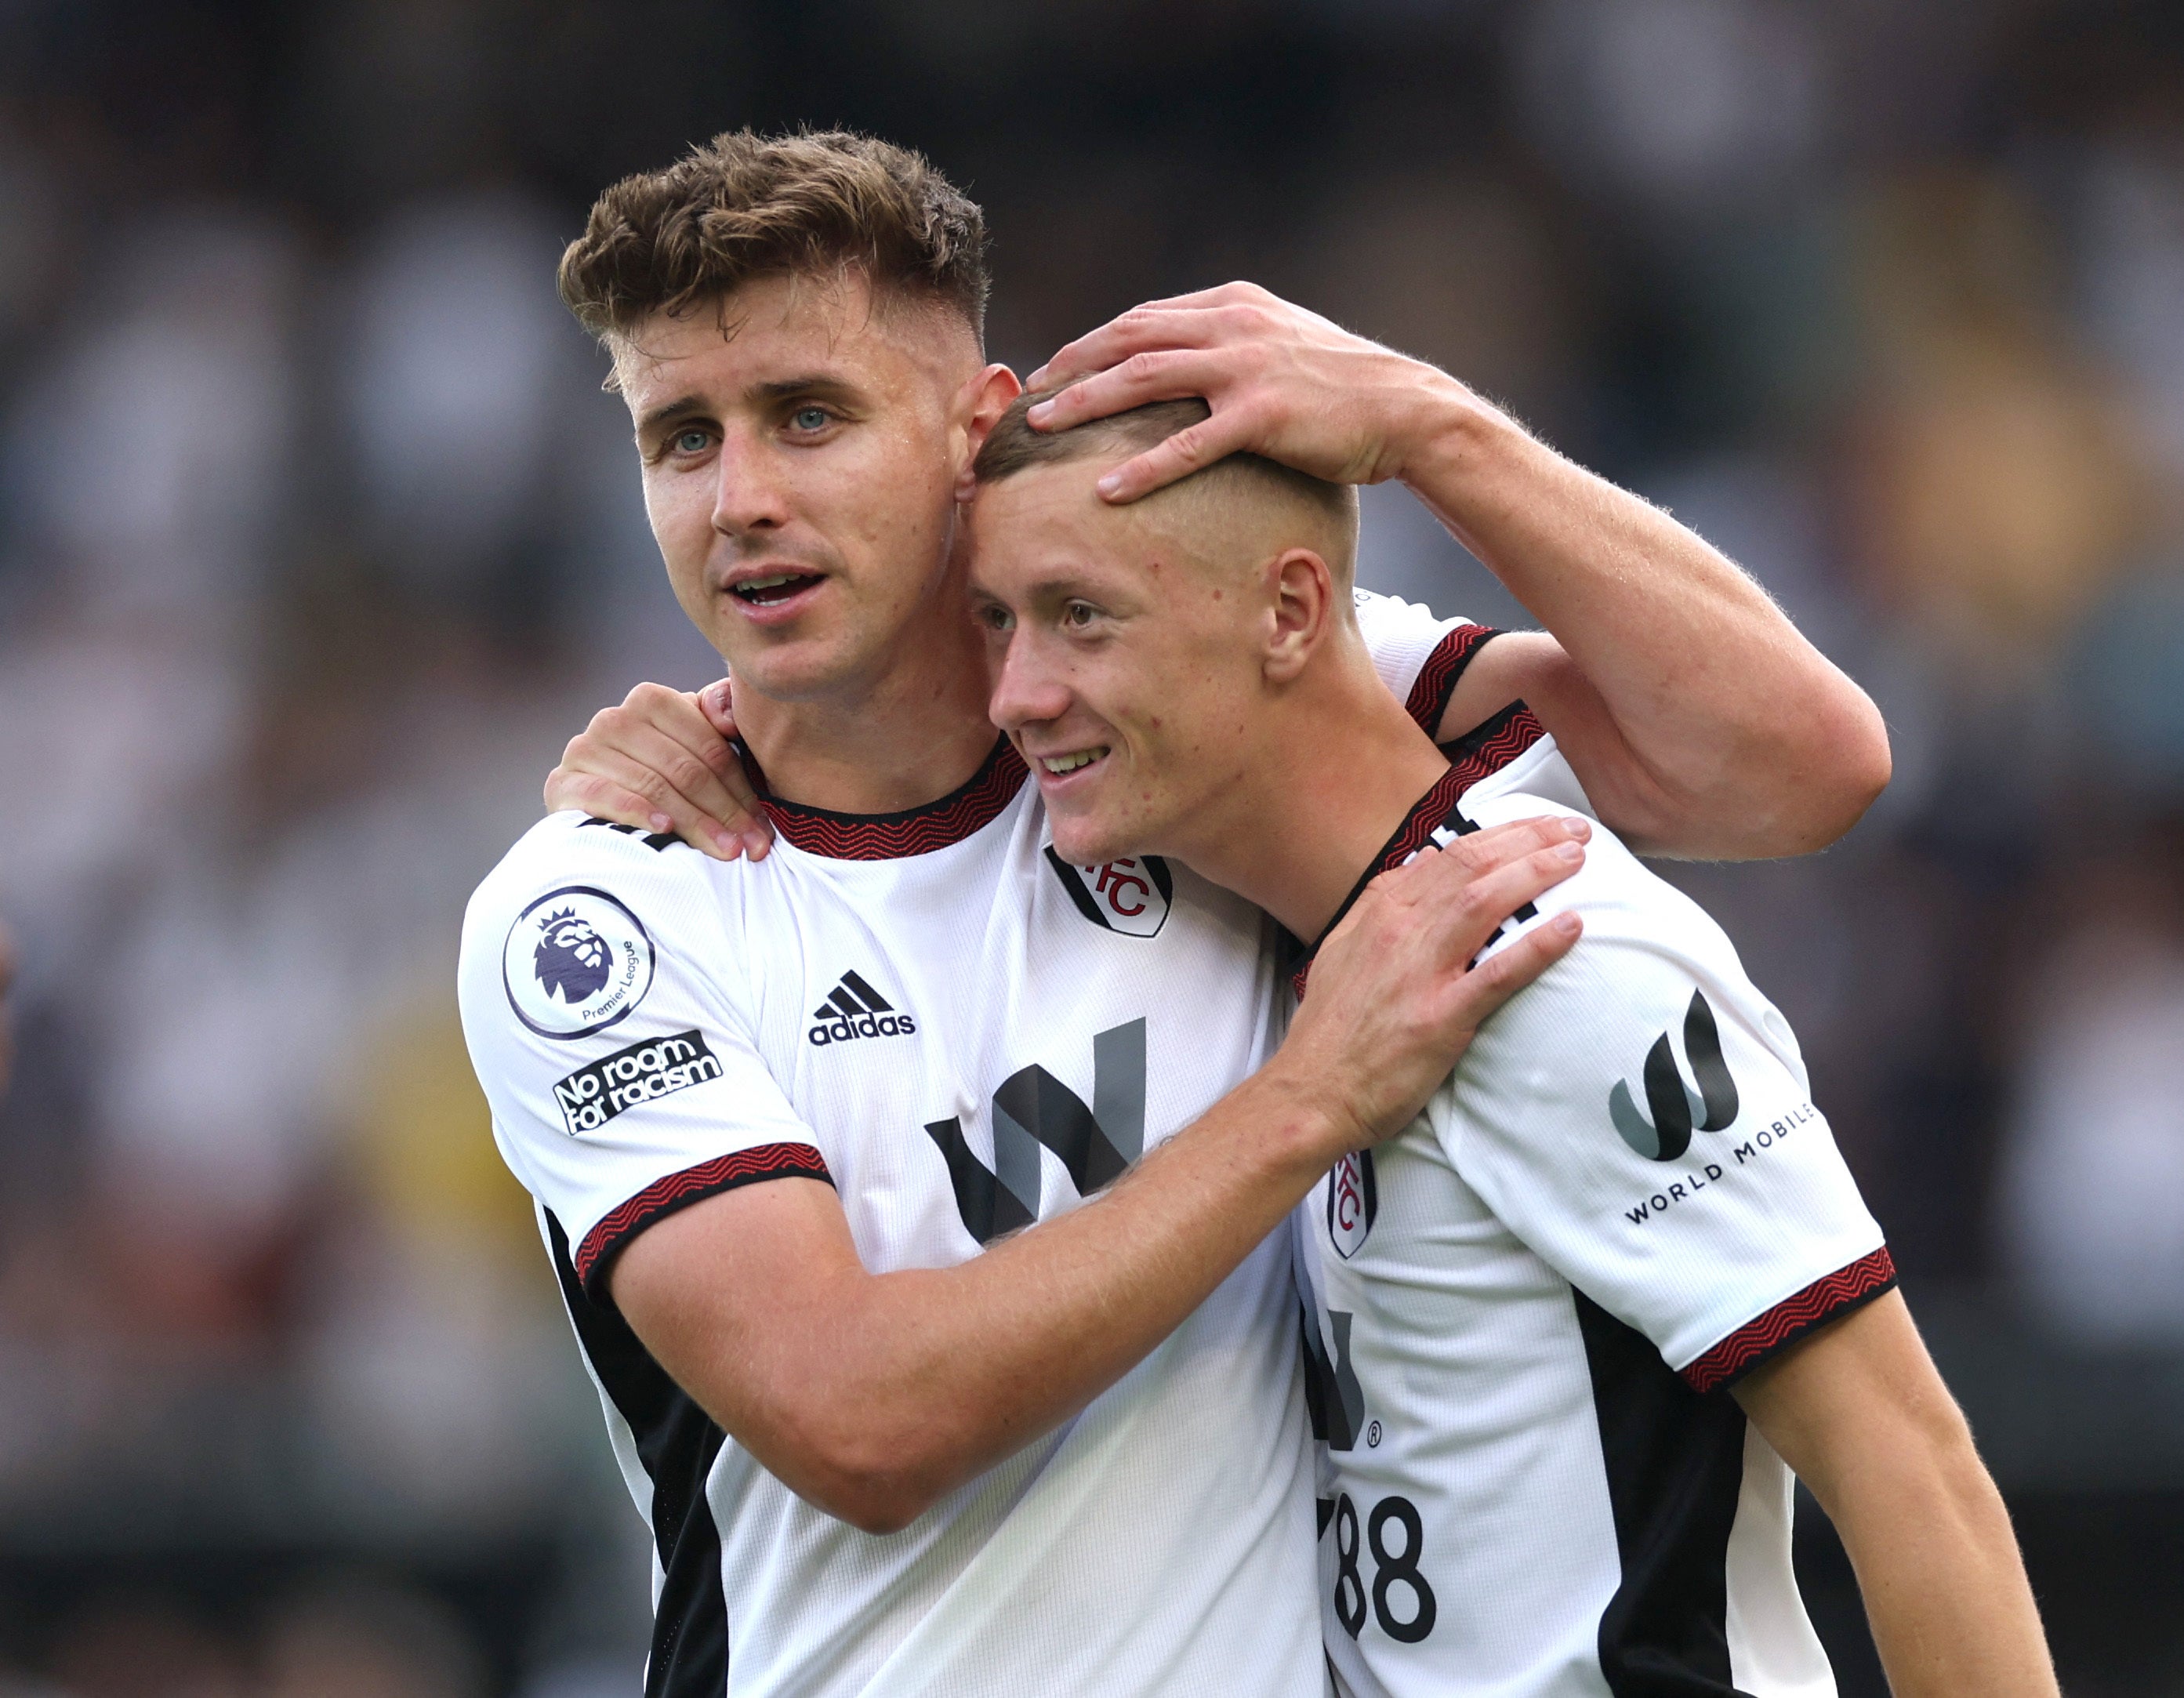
(1676, 1107)
(853, 1008)
(1033, 1111)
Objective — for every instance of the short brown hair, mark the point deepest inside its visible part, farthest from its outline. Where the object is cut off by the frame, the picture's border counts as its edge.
(1014, 445)
(745, 206)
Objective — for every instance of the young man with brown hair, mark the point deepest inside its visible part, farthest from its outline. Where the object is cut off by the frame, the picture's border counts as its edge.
(874, 1459)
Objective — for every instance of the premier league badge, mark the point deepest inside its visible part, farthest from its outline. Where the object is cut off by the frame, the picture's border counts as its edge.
(576, 962)
(1352, 1201)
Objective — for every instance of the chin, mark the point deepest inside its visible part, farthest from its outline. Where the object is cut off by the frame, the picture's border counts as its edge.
(799, 668)
(1093, 839)
(1089, 842)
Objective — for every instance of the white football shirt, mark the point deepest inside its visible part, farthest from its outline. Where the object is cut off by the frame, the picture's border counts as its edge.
(932, 1013)
(1528, 1307)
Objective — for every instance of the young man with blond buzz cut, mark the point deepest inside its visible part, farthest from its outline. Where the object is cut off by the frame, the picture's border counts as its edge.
(1564, 1347)
(775, 1111)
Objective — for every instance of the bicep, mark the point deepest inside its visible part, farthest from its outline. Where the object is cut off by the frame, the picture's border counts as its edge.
(737, 1297)
(1532, 668)
(1860, 1393)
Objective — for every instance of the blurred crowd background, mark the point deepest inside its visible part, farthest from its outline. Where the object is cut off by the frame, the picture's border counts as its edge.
(318, 539)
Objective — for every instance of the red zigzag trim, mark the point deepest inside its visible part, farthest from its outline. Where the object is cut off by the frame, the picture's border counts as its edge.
(1822, 1301)
(691, 1185)
(1500, 741)
(1428, 702)
(919, 830)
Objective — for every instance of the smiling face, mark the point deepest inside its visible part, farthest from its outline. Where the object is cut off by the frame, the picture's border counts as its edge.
(801, 450)
(1129, 661)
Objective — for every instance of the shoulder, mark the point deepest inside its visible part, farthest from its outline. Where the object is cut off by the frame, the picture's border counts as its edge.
(578, 908)
(1418, 654)
(1645, 943)
(576, 849)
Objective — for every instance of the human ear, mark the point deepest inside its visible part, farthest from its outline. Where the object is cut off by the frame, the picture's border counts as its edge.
(1300, 608)
(979, 404)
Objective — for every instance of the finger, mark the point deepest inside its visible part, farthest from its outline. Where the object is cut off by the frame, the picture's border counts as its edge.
(1508, 970)
(704, 723)
(1506, 842)
(607, 797)
(1161, 374)
(1156, 324)
(690, 773)
(1172, 321)
(1192, 448)
(659, 807)
(1435, 878)
(698, 734)
(716, 702)
(1465, 917)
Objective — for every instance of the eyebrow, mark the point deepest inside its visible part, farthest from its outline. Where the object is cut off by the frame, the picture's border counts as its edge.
(781, 389)
(680, 408)
(815, 384)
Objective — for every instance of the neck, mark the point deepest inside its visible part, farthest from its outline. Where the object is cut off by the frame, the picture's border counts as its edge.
(907, 735)
(1338, 757)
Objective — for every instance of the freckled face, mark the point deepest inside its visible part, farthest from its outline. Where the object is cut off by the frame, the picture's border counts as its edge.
(799, 454)
(1125, 665)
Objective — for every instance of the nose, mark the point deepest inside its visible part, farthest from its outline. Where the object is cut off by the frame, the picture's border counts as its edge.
(1029, 688)
(751, 493)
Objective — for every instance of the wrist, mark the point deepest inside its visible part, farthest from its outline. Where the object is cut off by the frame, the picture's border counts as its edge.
(1455, 442)
(1303, 1122)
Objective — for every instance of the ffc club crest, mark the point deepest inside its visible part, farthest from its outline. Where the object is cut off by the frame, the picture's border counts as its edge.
(1130, 896)
(1353, 1201)
(576, 962)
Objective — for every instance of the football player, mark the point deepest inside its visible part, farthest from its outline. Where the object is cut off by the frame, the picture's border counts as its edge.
(785, 1117)
(1576, 1327)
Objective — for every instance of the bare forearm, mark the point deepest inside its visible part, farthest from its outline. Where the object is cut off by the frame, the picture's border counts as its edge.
(1860, 1414)
(936, 1375)
(872, 1395)
(1718, 730)
(1952, 1611)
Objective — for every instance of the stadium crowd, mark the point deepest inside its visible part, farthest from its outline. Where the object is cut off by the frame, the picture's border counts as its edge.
(317, 541)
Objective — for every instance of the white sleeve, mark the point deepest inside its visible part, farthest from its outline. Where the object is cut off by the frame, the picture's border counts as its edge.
(1418, 655)
(1640, 1117)
(603, 1004)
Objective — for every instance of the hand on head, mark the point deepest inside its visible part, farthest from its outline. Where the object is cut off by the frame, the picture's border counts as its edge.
(1282, 382)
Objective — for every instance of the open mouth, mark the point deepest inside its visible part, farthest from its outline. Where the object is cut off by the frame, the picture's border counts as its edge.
(1060, 765)
(770, 592)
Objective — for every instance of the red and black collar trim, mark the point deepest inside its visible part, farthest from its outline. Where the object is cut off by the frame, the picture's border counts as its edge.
(1428, 702)
(1483, 751)
(973, 805)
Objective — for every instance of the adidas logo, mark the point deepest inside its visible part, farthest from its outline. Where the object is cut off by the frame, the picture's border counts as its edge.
(855, 1009)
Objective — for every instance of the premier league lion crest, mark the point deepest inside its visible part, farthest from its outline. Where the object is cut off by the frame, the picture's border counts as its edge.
(571, 960)
(575, 962)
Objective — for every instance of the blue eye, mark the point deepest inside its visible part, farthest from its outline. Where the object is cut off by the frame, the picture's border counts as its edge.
(691, 442)
(811, 418)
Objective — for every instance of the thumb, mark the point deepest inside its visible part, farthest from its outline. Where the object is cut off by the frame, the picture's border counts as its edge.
(716, 702)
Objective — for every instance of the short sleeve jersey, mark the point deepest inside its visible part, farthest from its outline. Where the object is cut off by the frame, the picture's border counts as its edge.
(962, 1035)
(1527, 1308)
